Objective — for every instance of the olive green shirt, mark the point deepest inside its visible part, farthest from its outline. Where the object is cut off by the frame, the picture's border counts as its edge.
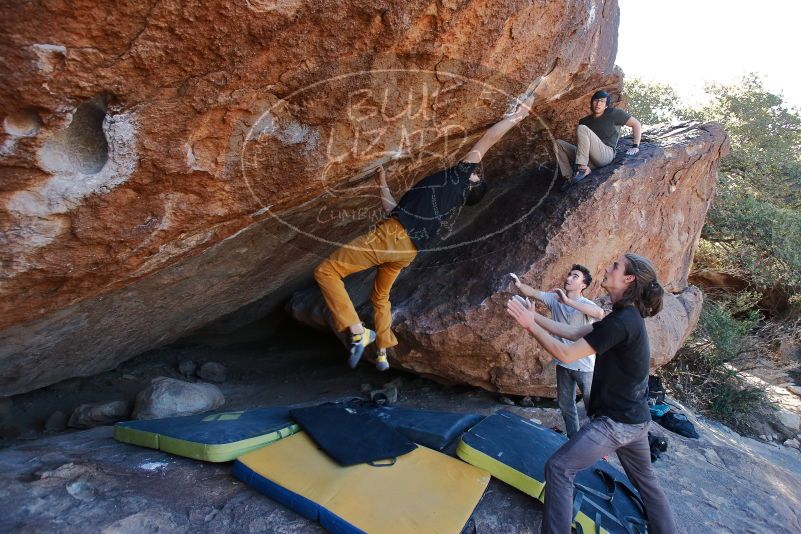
(607, 126)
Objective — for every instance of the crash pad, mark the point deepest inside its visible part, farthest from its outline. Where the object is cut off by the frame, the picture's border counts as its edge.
(423, 491)
(211, 437)
(515, 450)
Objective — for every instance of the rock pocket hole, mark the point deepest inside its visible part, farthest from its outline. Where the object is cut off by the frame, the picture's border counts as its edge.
(82, 147)
(22, 123)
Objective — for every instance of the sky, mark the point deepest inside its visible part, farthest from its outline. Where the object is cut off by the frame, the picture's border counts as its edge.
(686, 43)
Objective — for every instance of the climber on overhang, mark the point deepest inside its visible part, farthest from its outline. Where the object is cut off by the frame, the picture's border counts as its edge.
(597, 135)
(394, 243)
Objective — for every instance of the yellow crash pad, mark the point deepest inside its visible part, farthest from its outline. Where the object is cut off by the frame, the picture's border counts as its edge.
(424, 491)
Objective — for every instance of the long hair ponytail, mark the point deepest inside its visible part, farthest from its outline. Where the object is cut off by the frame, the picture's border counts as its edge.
(645, 292)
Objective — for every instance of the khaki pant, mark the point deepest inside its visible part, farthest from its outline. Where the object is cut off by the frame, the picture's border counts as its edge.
(590, 151)
(387, 247)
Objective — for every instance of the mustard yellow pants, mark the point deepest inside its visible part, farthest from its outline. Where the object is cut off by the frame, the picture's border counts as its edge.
(387, 247)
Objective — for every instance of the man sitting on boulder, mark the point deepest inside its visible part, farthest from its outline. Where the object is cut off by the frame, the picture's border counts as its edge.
(568, 306)
(597, 135)
(393, 244)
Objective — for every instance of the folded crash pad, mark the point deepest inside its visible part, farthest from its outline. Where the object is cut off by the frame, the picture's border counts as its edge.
(514, 449)
(423, 491)
(432, 429)
(349, 437)
(212, 437)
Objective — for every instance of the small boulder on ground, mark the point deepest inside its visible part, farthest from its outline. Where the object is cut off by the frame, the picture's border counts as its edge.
(168, 397)
(97, 414)
(794, 443)
(56, 422)
(789, 350)
(145, 521)
(795, 390)
(187, 368)
(789, 422)
(212, 372)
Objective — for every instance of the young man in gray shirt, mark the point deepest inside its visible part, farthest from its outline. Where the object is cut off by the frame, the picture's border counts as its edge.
(568, 306)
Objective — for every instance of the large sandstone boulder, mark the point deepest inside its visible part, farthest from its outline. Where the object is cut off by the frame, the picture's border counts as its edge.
(163, 165)
(449, 308)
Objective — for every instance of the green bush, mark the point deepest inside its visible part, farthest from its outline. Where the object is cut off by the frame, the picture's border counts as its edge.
(652, 103)
(765, 137)
(702, 372)
(754, 223)
(752, 232)
(735, 402)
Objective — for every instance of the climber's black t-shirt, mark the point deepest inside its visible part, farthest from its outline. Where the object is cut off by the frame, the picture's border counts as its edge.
(620, 380)
(432, 200)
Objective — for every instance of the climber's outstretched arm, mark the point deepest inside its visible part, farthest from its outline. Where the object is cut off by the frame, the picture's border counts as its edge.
(496, 132)
(388, 202)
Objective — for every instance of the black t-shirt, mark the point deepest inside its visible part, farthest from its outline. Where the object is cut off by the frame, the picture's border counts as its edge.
(432, 200)
(620, 380)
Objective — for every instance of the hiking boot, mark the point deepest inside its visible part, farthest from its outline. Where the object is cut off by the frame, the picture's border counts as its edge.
(381, 362)
(358, 342)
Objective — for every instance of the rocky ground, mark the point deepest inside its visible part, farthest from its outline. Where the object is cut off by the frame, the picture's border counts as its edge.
(84, 481)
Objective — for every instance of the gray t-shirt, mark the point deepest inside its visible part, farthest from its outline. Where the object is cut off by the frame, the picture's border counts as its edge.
(562, 313)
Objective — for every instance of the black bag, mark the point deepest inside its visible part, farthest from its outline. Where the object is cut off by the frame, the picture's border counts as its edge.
(656, 392)
(658, 445)
(678, 423)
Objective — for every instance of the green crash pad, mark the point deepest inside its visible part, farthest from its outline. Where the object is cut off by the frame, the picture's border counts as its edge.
(515, 450)
(211, 437)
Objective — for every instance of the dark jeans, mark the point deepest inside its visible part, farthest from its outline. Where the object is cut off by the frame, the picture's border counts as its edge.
(566, 381)
(595, 440)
